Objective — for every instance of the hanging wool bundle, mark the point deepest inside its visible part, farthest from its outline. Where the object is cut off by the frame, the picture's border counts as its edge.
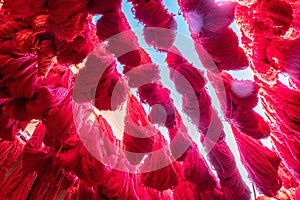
(284, 54)
(196, 170)
(261, 163)
(194, 95)
(180, 141)
(111, 90)
(113, 27)
(278, 98)
(239, 107)
(231, 181)
(164, 177)
(156, 94)
(138, 132)
(161, 32)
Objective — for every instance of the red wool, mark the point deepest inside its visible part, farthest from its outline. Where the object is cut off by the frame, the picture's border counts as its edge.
(10, 152)
(41, 44)
(113, 27)
(138, 132)
(156, 94)
(241, 97)
(33, 152)
(260, 162)
(161, 32)
(111, 89)
(196, 170)
(18, 184)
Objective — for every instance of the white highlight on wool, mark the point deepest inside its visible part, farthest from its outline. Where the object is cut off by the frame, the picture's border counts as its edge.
(243, 88)
(196, 21)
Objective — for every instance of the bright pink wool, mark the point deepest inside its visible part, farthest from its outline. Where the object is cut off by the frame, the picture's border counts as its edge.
(61, 74)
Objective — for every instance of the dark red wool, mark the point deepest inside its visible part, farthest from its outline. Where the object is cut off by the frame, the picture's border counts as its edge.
(59, 124)
(224, 50)
(278, 98)
(67, 18)
(9, 127)
(10, 152)
(180, 68)
(34, 152)
(18, 76)
(286, 155)
(284, 53)
(117, 185)
(183, 73)
(260, 162)
(10, 27)
(26, 109)
(17, 184)
(103, 7)
(75, 51)
(184, 190)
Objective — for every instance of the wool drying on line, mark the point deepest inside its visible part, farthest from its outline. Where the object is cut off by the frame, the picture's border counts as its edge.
(67, 65)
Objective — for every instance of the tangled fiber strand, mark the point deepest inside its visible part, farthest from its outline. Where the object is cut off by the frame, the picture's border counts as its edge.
(67, 18)
(18, 76)
(286, 155)
(10, 152)
(103, 7)
(18, 184)
(159, 31)
(276, 99)
(261, 164)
